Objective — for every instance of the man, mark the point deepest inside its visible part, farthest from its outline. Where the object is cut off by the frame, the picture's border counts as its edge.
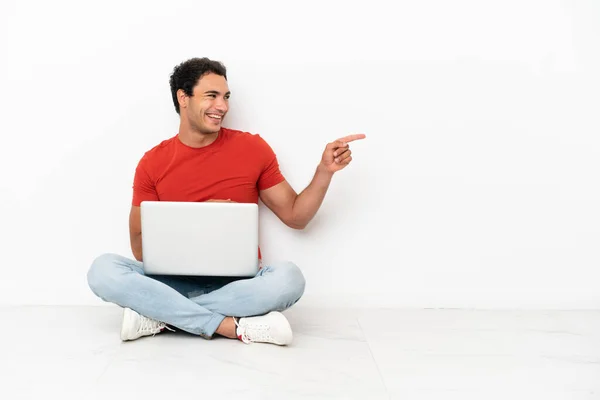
(207, 162)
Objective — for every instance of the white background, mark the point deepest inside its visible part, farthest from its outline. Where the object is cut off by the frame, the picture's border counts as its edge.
(477, 187)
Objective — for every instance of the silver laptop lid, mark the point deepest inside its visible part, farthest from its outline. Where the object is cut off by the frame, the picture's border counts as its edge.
(200, 239)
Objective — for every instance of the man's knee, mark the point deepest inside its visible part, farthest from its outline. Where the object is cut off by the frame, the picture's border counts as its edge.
(291, 282)
(101, 275)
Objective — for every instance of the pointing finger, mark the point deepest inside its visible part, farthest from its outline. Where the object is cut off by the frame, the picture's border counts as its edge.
(351, 138)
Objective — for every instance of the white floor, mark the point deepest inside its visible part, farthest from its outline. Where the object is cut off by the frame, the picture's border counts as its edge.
(75, 353)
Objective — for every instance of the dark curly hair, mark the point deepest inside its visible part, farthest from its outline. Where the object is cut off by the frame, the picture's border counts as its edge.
(186, 75)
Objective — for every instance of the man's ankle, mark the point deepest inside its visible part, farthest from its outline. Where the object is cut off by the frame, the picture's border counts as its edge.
(227, 328)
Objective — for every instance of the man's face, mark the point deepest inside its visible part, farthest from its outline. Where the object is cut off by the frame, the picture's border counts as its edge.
(207, 108)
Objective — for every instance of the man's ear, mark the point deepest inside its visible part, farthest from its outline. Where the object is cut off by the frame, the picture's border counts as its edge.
(182, 98)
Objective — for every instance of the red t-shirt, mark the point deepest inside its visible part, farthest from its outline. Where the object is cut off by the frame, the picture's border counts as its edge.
(236, 166)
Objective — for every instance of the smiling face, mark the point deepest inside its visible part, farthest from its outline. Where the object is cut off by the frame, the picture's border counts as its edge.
(207, 107)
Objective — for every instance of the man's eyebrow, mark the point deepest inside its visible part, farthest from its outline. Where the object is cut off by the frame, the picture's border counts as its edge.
(216, 92)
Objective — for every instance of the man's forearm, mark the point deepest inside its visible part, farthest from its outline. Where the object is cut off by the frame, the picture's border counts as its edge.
(136, 247)
(309, 201)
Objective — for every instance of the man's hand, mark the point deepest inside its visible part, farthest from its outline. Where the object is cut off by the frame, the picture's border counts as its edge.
(220, 201)
(337, 154)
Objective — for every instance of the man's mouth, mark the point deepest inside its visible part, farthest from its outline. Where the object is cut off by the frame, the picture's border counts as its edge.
(215, 117)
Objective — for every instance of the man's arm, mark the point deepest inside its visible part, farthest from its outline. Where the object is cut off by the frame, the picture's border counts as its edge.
(135, 232)
(297, 210)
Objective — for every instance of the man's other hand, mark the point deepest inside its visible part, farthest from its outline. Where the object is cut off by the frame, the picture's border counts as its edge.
(220, 201)
(337, 154)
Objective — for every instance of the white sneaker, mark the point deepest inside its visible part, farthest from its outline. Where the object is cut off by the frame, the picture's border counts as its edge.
(270, 328)
(135, 326)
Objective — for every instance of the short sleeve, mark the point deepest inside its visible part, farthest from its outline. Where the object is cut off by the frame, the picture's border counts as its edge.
(143, 186)
(270, 174)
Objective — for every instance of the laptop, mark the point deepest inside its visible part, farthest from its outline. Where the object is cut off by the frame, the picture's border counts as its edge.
(200, 239)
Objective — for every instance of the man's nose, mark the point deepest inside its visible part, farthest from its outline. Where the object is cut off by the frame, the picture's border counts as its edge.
(222, 105)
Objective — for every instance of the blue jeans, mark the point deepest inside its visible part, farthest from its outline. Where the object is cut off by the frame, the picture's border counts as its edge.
(196, 305)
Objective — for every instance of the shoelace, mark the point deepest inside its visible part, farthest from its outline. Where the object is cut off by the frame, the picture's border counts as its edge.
(152, 326)
(254, 332)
